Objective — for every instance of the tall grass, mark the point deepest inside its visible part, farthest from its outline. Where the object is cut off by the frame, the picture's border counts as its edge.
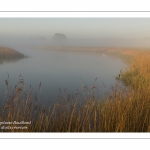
(8, 54)
(138, 73)
(126, 54)
(125, 109)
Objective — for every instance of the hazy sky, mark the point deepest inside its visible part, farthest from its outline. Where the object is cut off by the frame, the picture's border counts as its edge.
(82, 28)
(105, 32)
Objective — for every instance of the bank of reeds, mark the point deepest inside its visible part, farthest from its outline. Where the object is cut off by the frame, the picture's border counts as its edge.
(8, 54)
(126, 54)
(125, 109)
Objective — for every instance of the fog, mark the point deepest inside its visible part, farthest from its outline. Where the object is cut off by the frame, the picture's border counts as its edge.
(43, 41)
(87, 32)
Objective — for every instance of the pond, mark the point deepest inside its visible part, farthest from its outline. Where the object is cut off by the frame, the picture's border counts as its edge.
(61, 71)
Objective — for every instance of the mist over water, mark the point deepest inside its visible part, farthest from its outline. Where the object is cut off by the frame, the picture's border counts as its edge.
(48, 41)
(61, 70)
(64, 69)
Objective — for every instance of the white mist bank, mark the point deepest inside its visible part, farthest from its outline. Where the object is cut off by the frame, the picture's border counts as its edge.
(43, 41)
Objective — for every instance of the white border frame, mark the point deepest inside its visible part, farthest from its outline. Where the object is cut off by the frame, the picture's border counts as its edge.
(86, 14)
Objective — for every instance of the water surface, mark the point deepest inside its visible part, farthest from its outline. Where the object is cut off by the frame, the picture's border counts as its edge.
(61, 70)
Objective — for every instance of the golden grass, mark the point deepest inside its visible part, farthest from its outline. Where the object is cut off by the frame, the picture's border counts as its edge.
(126, 109)
(7, 54)
(7, 51)
(138, 72)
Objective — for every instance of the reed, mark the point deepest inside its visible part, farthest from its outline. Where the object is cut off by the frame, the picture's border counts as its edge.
(125, 109)
(8, 54)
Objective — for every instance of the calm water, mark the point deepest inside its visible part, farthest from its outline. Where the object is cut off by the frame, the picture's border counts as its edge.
(57, 69)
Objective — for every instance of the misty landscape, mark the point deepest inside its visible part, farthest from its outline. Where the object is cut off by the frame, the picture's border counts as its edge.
(74, 75)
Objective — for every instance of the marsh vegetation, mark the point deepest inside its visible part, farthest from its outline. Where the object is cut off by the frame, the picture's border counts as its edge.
(125, 109)
(8, 55)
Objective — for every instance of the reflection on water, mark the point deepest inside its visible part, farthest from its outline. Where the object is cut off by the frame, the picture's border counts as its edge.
(68, 71)
(2, 61)
(10, 55)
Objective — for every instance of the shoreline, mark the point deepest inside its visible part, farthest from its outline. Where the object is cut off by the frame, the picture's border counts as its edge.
(9, 54)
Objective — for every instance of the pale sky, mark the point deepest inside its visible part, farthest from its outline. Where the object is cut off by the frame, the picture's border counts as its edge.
(110, 32)
(80, 28)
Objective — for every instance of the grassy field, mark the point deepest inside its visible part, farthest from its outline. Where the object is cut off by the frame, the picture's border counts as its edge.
(8, 54)
(126, 109)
